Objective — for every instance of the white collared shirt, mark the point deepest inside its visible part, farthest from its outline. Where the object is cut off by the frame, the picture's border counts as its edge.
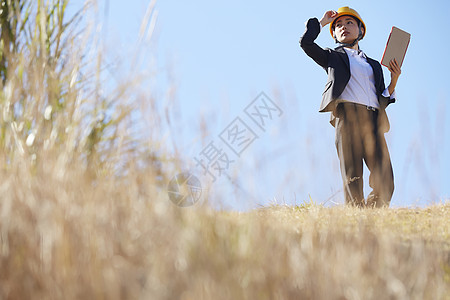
(361, 86)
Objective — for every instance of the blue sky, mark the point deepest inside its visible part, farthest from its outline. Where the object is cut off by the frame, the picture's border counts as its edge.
(220, 55)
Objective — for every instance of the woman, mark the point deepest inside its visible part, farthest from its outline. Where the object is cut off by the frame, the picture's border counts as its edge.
(356, 96)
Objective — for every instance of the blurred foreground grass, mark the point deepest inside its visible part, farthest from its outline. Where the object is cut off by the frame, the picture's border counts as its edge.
(68, 239)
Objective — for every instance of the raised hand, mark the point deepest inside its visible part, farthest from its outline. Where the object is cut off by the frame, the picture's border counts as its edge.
(328, 17)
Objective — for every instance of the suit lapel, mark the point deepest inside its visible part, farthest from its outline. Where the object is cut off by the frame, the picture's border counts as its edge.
(343, 55)
(376, 71)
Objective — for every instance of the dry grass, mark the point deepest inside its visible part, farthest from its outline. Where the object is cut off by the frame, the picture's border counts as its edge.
(65, 238)
(84, 212)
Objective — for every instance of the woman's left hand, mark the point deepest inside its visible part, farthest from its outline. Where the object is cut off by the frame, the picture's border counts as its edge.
(395, 69)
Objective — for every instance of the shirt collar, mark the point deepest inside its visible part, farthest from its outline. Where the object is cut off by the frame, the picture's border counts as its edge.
(353, 52)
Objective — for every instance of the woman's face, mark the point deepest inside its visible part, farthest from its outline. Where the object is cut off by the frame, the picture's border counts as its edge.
(346, 29)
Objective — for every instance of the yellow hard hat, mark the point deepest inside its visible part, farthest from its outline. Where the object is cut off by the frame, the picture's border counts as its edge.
(347, 11)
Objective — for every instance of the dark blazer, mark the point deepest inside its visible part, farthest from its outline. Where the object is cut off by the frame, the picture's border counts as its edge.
(337, 65)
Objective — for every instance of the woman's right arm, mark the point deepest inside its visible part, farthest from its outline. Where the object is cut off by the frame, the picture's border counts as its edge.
(313, 27)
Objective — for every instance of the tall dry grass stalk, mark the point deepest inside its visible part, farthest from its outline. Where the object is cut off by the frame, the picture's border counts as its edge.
(84, 213)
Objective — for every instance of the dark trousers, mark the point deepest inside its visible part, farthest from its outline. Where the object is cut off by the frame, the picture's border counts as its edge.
(358, 139)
